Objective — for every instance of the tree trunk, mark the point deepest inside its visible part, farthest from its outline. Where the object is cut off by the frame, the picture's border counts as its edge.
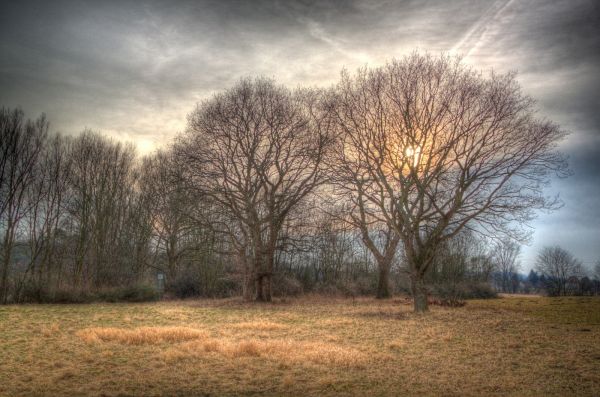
(267, 288)
(7, 254)
(419, 294)
(4, 282)
(259, 296)
(383, 284)
(247, 286)
(247, 275)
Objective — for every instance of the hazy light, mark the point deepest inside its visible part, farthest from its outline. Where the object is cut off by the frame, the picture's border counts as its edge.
(414, 152)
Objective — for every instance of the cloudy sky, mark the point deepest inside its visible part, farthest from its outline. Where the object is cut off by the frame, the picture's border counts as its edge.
(134, 70)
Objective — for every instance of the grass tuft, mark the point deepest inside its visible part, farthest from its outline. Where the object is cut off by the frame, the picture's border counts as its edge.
(260, 326)
(141, 336)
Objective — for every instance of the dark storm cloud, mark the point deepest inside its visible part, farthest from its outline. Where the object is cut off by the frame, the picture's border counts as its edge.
(555, 47)
(135, 69)
(102, 64)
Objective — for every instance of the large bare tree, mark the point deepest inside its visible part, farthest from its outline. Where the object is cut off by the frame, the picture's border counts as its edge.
(256, 152)
(430, 147)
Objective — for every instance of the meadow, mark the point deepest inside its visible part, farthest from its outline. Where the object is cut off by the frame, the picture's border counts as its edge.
(307, 346)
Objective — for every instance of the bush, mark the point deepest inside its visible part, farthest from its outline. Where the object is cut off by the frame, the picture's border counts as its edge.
(191, 284)
(134, 293)
(456, 292)
(69, 296)
(226, 287)
(346, 288)
(286, 286)
(184, 287)
(32, 293)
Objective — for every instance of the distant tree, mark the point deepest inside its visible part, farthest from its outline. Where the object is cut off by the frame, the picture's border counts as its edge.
(506, 256)
(430, 147)
(465, 257)
(515, 282)
(557, 265)
(596, 278)
(586, 286)
(533, 278)
(596, 271)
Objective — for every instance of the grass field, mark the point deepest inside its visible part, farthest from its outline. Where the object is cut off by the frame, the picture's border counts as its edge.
(311, 346)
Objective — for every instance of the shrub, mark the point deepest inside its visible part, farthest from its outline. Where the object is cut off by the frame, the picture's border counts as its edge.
(457, 292)
(70, 296)
(225, 287)
(33, 293)
(184, 287)
(284, 285)
(133, 293)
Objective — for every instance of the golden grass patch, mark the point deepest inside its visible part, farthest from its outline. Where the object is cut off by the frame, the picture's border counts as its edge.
(141, 336)
(260, 326)
(285, 351)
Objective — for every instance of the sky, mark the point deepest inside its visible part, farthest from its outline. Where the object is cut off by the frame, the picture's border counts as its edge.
(134, 69)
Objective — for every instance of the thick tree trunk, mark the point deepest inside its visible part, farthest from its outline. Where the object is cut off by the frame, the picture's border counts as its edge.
(267, 288)
(383, 284)
(247, 275)
(419, 292)
(259, 296)
(247, 284)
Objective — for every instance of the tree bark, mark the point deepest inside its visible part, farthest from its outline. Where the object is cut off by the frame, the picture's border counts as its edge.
(267, 288)
(383, 284)
(247, 275)
(7, 256)
(259, 296)
(419, 292)
(247, 286)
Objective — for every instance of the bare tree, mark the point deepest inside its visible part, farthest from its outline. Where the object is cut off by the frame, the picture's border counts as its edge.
(379, 237)
(464, 257)
(169, 207)
(596, 271)
(21, 145)
(101, 190)
(506, 257)
(557, 265)
(46, 197)
(430, 147)
(256, 151)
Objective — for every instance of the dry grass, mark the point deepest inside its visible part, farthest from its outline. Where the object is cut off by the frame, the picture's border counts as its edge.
(310, 346)
(282, 351)
(260, 326)
(140, 336)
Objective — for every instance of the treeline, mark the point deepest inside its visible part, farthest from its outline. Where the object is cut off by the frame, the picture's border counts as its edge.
(395, 179)
(84, 217)
(72, 213)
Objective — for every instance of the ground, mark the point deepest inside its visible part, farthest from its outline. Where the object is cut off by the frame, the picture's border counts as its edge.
(306, 346)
